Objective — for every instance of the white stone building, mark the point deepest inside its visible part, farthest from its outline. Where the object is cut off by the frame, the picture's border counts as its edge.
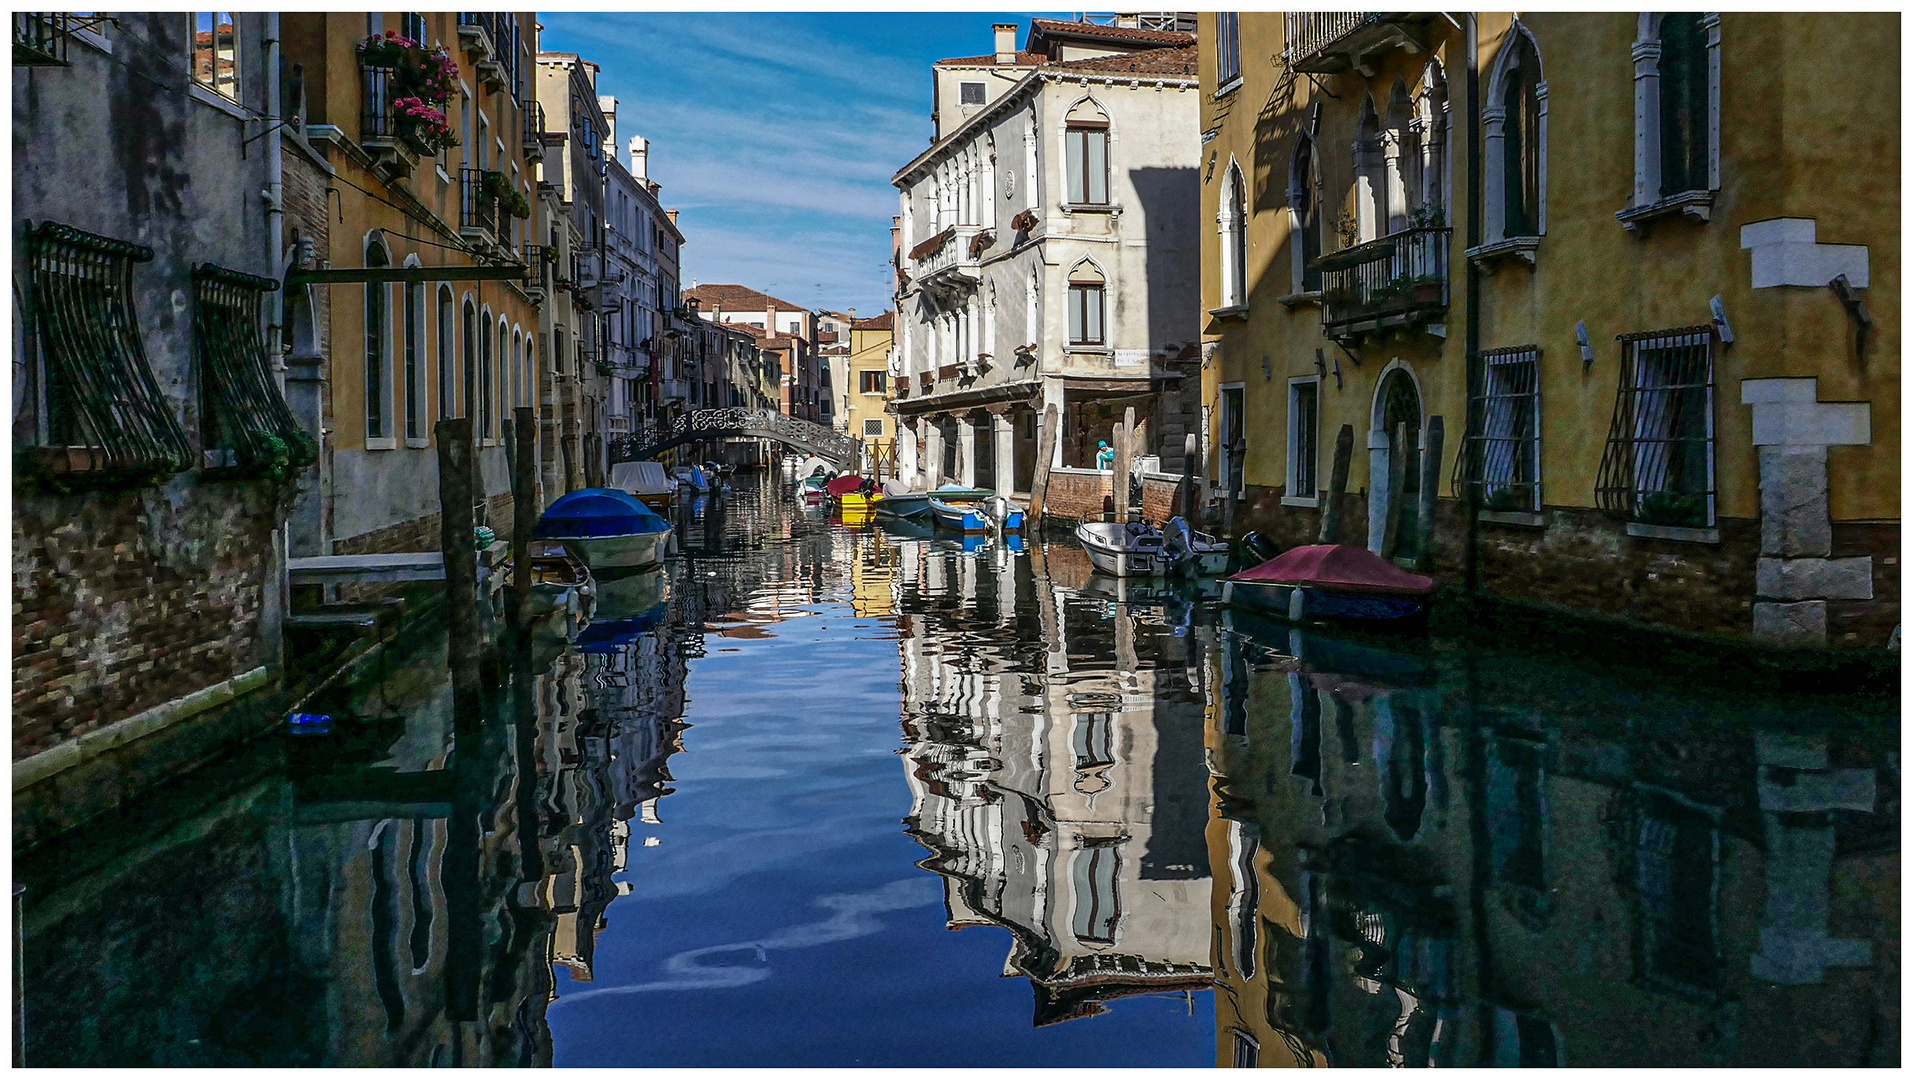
(1049, 253)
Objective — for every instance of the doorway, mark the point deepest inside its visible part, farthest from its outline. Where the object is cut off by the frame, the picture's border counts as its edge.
(1397, 408)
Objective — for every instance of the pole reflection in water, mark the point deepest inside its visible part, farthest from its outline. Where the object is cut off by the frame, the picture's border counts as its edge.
(1170, 835)
(1500, 858)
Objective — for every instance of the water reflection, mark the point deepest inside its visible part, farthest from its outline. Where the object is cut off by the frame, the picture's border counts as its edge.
(1468, 857)
(1195, 836)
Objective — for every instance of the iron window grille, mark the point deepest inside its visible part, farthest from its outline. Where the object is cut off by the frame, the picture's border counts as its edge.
(1501, 458)
(1304, 437)
(247, 424)
(478, 209)
(41, 38)
(376, 119)
(1658, 468)
(98, 400)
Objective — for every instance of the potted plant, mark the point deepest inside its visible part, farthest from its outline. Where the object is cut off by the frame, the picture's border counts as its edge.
(1673, 508)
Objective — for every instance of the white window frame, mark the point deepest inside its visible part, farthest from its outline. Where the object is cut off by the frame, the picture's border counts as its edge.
(1225, 413)
(1232, 224)
(1494, 120)
(1647, 196)
(1295, 452)
(238, 67)
(389, 424)
(1228, 52)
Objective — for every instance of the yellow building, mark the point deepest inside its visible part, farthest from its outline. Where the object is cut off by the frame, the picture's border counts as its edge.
(866, 393)
(1658, 324)
(420, 180)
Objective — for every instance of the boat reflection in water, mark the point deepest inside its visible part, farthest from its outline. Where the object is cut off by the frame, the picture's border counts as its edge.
(1426, 860)
(1056, 780)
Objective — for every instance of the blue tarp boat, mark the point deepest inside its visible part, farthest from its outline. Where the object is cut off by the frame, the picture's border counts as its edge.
(606, 528)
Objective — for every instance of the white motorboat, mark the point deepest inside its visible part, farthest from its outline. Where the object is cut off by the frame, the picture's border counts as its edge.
(645, 479)
(1139, 549)
(606, 528)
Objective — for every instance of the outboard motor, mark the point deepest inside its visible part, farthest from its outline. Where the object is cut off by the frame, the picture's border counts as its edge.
(1177, 544)
(1254, 549)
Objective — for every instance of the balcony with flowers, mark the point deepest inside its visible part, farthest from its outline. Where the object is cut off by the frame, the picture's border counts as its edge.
(402, 113)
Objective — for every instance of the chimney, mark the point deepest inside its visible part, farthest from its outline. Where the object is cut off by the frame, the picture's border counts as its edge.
(672, 213)
(770, 315)
(609, 105)
(1005, 42)
(640, 157)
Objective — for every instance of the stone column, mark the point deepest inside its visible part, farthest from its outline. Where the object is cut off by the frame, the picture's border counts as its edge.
(1005, 452)
(1377, 488)
(932, 452)
(1797, 789)
(1795, 576)
(966, 451)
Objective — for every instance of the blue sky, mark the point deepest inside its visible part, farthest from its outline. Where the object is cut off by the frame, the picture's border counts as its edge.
(775, 135)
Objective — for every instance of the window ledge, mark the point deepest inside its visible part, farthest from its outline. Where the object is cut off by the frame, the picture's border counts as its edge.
(219, 101)
(1673, 532)
(1231, 311)
(1523, 518)
(1697, 205)
(1091, 208)
(1298, 500)
(1514, 247)
(417, 444)
(1230, 87)
(1297, 299)
(1098, 350)
(381, 444)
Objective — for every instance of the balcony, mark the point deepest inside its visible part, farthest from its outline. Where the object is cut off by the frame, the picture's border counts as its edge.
(477, 209)
(534, 134)
(475, 35)
(537, 270)
(1396, 282)
(40, 38)
(949, 261)
(394, 155)
(1331, 42)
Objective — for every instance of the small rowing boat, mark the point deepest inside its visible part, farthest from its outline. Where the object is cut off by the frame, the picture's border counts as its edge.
(900, 501)
(645, 479)
(1333, 582)
(1139, 549)
(976, 517)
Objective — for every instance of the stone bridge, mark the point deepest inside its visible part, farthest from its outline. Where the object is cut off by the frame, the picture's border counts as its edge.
(839, 449)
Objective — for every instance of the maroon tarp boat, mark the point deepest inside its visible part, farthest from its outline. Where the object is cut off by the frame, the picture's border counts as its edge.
(1339, 582)
(839, 486)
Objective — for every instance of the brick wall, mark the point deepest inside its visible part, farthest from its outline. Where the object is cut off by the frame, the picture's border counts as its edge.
(125, 600)
(1162, 497)
(1585, 560)
(1077, 493)
(423, 533)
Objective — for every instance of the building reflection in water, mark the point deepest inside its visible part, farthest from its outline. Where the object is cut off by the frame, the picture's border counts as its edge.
(1452, 858)
(1053, 753)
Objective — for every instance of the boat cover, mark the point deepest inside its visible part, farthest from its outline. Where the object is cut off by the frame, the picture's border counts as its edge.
(1339, 568)
(643, 476)
(597, 512)
(894, 486)
(844, 485)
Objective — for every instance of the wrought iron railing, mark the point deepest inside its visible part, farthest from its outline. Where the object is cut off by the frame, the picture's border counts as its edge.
(768, 423)
(477, 209)
(40, 38)
(1394, 279)
(376, 120)
(534, 136)
(1310, 32)
(538, 263)
(1658, 468)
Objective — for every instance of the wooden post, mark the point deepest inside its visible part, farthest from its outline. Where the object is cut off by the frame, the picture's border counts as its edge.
(1430, 484)
(1039, 481)
(1337, 487)
(456, 540)
(525, 508)
(1397, 482)
(1119, 483)
(1189, 487)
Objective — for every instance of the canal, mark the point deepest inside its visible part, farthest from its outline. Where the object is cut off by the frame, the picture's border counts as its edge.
(821, 794)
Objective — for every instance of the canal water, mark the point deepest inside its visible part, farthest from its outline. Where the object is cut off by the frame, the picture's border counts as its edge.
(818, 793)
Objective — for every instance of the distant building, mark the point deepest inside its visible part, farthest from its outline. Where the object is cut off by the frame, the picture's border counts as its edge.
(1042, 257)
(865, 391)
(783, 330)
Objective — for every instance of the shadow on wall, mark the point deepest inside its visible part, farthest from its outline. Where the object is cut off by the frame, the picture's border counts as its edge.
(1169, 199)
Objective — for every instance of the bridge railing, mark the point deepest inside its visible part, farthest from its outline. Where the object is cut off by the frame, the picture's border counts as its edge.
(738, 421)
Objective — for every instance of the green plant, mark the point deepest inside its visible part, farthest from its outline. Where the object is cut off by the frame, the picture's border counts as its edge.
(496, 185)
(1428, 216)
(1673, 508)
(1347, 228)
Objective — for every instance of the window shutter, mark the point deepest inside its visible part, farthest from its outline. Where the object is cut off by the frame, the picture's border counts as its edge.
(1073, 143)
(1098, 171)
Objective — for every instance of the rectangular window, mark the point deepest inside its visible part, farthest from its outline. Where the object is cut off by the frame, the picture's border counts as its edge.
(1096, 907)
(216, 53)
(970, 93)
(871, 382)
(1233, 449)
(873, 429)
(1246, 1051)
(1659, 465)
(446, 358)
(1087, 154)
(375, 358)
(1504, 450)
(1228, 54)
(1085, 314)
(412, 25)
(1304, 440)
(414, 384)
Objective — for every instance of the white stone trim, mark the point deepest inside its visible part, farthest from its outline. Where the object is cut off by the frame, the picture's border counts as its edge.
(1647, 106)
(1785, 414)
(1494, 135)
(1291, 449)
(1786, 253)
(47, 763)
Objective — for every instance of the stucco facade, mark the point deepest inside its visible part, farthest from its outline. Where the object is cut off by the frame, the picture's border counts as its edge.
(1668, 417)
(1044, 260)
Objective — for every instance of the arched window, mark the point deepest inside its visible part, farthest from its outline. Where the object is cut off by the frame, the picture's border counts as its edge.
(1086, 154)
(1401, 159)
(1086, 304)
(483, 414)
(377, 349)
(414, 337)
(1234, 226)
(471, 360)
(519, 381)
(1683, 104)
(446, 358)
(1431, 122)
(1515, 133)
(1305, 216)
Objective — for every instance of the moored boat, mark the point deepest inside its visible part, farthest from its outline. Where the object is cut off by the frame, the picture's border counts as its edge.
(900, 501)
(959, 517)
(854, 492)
(560, 581)
(645, 479)
(605, 528)
(1139, 549)
(1336, 583)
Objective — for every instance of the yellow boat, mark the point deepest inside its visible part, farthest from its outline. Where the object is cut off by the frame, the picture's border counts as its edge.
(857, 500)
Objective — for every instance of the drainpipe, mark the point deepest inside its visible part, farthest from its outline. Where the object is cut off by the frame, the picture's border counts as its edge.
(275, 205)
(1471, 548)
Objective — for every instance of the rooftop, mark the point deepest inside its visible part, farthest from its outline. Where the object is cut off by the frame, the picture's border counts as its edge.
(737, 298)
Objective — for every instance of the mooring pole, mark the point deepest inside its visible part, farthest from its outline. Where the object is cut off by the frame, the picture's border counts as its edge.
(1189, 482)
(1397, 484)
(525, 508)
(1039, 481)
(1337, 486)
(457, 540)
(1430, 481)
(1119, 483)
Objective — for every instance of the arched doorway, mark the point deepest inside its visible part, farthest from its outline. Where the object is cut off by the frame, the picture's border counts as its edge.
(1397, 408)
